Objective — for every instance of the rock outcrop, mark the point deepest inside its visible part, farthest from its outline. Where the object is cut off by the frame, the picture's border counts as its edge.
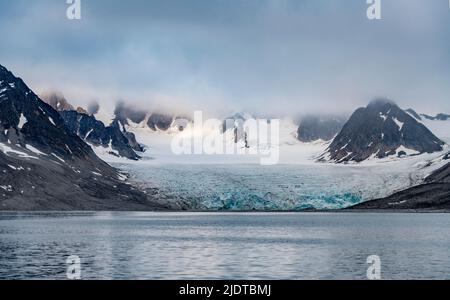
(380, 130)
(433, 194)
(114, 137)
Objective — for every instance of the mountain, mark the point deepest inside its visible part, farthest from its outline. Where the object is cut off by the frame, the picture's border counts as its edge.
(45, 166)
(438, 117)
(380, 130)
(439, 124)
(131, 138)
(414, 114)
(433, 194)
(114, 137)
(313, 127)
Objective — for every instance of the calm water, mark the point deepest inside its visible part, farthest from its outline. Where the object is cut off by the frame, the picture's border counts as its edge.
(224, 246)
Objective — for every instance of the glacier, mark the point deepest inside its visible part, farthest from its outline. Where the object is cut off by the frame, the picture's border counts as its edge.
(299, 182)
(281, 187)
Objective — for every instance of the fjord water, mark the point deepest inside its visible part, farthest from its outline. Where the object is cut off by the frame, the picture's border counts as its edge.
(224, 245)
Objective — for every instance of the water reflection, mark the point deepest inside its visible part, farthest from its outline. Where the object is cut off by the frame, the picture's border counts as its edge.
(224, 246)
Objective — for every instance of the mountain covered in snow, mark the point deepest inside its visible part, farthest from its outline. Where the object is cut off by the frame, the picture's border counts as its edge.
(421, 117)
(319, 127)
(433, 191)
(380, 130)
(111, 139)
(45, 166)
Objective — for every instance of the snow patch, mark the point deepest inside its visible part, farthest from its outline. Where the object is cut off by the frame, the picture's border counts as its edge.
(89, 133)
(22, 121)
(108, 153)
(7, 188)
(59, 158)
(343, 147)
(399, 124)
(122, 177)
(7, 150)
(68, 149)
(19, 168)
(34, 150)
(51, 121)
(384, 117)
(407, 151)
(397, 203)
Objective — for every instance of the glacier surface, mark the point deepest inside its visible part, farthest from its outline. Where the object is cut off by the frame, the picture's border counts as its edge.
(298, 182)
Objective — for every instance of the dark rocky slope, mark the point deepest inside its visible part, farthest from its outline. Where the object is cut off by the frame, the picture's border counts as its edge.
(115, 137)
(379, 130)
(79, 121)
(44, 166)
(433, 194)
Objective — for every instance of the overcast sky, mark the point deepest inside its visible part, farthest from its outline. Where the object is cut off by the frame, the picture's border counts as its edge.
(254, 55)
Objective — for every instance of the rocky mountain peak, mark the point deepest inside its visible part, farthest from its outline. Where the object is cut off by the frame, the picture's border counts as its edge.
(380, 130)
(26, 119)
(47, 167)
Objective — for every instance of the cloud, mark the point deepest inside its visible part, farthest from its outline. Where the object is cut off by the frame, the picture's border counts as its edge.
(265, 56)
(124, 112)
(93, 108)
(56, 100)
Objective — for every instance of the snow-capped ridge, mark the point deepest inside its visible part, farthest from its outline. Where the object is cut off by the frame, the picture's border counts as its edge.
(381, 130)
